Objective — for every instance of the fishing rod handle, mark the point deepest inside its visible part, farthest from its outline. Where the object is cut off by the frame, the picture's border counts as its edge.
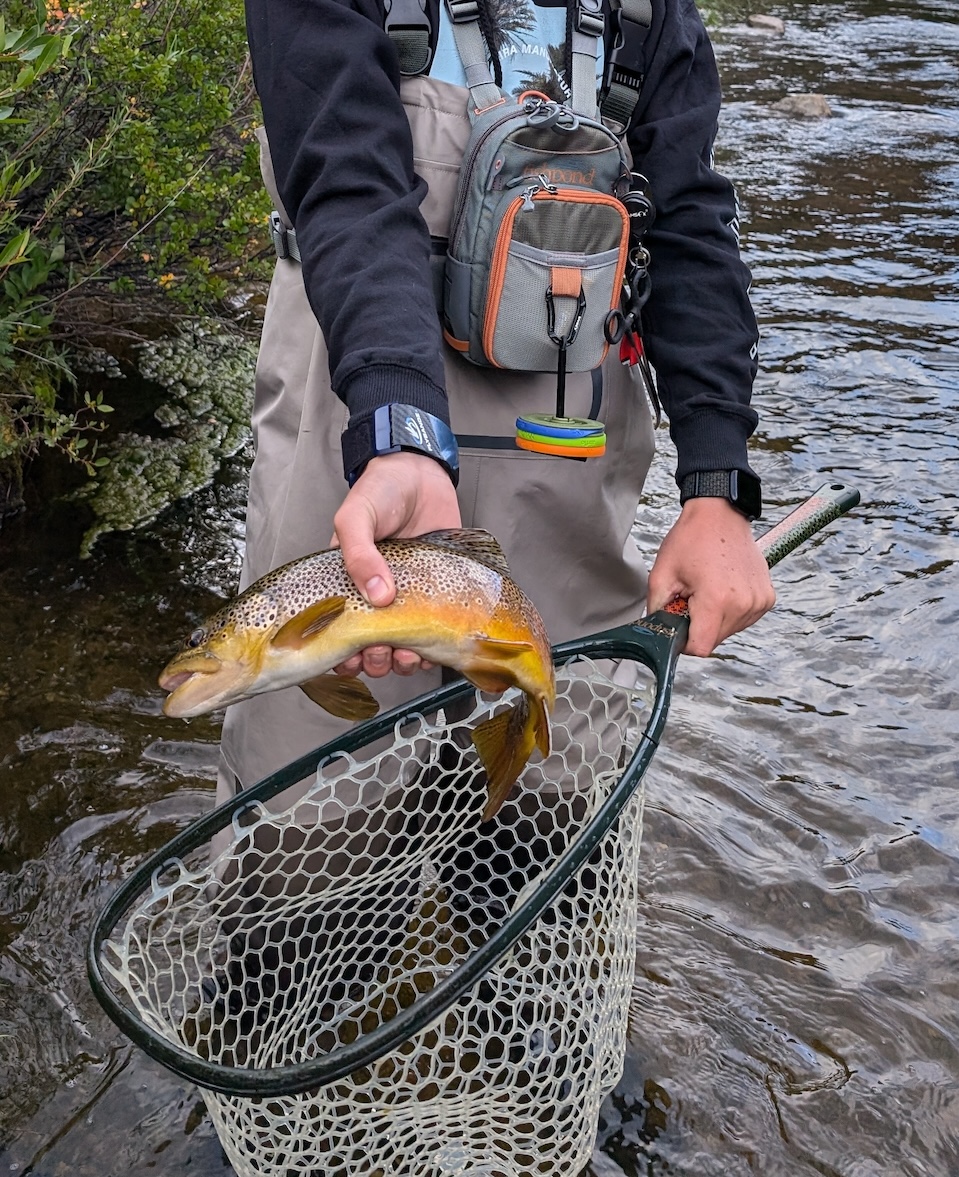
(824, 505)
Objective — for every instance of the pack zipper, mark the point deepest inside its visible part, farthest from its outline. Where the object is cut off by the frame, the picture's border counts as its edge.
(466, 171)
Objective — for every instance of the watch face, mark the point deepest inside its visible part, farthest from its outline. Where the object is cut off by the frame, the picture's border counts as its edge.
(745, 494)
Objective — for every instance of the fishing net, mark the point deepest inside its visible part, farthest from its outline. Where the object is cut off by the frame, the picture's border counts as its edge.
(367, 981)
(300, 928)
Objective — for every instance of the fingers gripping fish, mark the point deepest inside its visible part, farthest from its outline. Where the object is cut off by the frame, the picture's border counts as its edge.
(456, 605)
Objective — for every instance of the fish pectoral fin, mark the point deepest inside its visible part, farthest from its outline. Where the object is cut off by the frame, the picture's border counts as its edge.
(345, 697)
(308, 623)
(504, 743)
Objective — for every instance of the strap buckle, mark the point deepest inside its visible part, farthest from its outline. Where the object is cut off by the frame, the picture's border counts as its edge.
(461, 11)
(589, 18)
(284, 239)
(408, 25)
(278, 234)
(625, 61)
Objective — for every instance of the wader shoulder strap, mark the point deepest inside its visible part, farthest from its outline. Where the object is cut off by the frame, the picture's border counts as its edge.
(471, 47)
(586, 29)
(630, 21)
(413, 27)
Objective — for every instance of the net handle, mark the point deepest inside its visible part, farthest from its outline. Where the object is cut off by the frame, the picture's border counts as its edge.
(657, 641)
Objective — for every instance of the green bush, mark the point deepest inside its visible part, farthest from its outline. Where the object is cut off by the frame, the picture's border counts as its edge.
(129, 170)
(151, 131)
(30, 368)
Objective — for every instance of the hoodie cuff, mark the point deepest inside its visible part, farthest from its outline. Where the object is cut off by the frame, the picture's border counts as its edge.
(712, 441)
(386, 384)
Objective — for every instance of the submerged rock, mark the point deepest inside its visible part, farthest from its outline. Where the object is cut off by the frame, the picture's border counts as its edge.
(806, 106)
(767, 24)
(207, 372)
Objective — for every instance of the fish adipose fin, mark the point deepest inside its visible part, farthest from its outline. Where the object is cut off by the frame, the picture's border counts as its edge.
(540, 725)
(504, 744)
(345, 697)
(307, 624)
(470, 541)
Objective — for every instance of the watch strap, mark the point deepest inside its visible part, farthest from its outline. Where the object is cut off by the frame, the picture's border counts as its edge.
(739, 488)
(394, 428)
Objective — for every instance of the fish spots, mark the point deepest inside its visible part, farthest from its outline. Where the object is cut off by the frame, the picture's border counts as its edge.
(424, 572)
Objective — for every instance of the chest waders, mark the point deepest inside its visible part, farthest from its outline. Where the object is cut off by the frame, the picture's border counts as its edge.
(567, 529)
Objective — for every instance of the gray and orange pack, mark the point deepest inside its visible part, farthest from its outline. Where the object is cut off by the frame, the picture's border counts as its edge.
(539, 237)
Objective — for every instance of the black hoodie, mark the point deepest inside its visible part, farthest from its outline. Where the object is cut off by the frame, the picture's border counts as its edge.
(328, 80)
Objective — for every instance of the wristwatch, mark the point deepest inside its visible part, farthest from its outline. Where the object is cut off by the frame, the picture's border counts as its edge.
(393, 428)
(741, 489)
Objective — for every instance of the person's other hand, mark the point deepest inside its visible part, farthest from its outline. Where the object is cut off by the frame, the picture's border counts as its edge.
(710, 557)
(404, 494)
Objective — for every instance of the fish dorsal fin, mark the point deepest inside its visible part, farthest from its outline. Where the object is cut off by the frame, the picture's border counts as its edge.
(474, 542)
(345, 697)
(308, 623)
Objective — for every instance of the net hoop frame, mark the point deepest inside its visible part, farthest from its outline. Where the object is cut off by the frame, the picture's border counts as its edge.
(655, 641)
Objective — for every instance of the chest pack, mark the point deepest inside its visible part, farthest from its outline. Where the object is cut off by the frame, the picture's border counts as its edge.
(539, 236)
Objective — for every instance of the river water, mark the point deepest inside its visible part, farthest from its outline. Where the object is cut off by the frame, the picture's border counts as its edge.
(796, 1003)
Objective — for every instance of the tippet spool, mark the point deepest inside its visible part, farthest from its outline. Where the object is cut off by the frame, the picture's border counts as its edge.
(565, 437)
(572, 443)
(561, 451)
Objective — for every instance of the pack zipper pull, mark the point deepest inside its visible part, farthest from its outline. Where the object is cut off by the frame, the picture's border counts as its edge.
(528, 194)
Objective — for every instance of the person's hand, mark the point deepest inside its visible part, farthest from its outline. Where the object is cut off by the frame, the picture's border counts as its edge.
(710, 557)
(404, 494)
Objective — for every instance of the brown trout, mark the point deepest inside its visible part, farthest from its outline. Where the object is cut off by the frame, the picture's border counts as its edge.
(456, 605)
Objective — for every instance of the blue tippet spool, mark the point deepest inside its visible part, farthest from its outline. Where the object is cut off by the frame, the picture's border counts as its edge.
(545, 425)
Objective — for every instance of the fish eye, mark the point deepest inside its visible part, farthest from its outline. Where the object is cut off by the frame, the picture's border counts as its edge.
(197, 638)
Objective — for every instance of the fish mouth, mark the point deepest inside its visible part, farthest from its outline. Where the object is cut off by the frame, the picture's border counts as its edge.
(198, 683)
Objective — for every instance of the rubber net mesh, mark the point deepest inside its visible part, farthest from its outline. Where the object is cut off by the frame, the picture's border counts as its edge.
(305, 926)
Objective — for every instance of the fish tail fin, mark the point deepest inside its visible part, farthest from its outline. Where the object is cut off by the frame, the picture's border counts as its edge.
(504, 743)
(540, 723)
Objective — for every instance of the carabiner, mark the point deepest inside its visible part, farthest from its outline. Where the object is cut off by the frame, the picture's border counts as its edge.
(573, 331)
